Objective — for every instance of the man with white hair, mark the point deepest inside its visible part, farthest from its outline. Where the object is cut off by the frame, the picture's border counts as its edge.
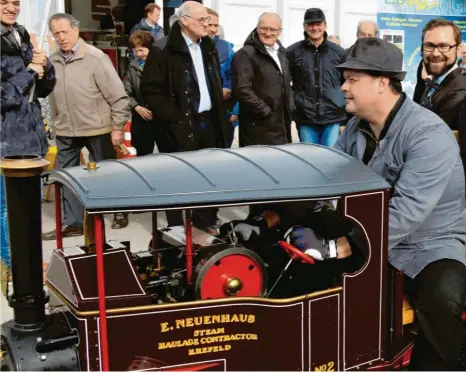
(89, 109)
(181, 84)
(367, 28)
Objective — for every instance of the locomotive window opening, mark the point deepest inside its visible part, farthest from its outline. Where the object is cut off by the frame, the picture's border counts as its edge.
(238, 252)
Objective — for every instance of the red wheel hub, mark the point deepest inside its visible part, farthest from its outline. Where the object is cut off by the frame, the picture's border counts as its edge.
(233, 272)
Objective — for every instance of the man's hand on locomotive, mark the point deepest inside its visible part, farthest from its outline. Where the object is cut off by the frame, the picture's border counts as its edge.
(325, 240)
(320, 249)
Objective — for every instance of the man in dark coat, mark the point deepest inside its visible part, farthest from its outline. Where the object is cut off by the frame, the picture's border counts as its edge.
(320, 104)
(181, 85)
(445, 88)
(262, 85)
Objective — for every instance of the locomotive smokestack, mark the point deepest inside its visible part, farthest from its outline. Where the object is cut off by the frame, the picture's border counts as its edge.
(23, 196)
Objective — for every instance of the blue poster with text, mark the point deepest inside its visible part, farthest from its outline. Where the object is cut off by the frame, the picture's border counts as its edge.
(401, 22)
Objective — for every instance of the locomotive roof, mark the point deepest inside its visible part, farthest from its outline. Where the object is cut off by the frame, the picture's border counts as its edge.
(219, 176)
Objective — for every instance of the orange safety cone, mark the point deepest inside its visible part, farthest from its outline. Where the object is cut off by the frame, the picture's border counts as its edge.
(127, 149)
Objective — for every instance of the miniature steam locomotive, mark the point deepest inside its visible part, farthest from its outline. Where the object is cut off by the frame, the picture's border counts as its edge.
(193, 301)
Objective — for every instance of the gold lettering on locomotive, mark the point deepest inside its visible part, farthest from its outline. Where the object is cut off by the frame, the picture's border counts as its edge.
(178, 343)
(208, 332)
(164, 327)
(325, 367)
(212, 339)
(209, 349)
(210, 319)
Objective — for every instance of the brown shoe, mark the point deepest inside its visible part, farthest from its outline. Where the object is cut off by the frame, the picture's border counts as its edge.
(67, 232)
(120, 221)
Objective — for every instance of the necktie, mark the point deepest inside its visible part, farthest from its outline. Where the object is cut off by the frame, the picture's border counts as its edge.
(431, 85)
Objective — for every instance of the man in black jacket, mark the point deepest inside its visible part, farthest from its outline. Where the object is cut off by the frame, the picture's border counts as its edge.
(261, 84)
(445, 88)
(320, 104)
(181, 85)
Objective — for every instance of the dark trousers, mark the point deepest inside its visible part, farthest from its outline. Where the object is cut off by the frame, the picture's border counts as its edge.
(438, 294)
(68, 155)
(144, 134)
(204, 137)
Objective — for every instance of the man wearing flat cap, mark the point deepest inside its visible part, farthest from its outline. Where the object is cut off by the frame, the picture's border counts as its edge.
(413, 150)
(320, 105)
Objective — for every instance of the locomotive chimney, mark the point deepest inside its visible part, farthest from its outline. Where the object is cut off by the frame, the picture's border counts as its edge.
(23, 199)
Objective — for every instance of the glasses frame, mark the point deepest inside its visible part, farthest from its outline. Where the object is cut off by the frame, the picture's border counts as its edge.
(438, 47)
(273, 31)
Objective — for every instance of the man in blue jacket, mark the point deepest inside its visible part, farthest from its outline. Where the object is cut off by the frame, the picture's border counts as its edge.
(150, 21)
(225, 54)
(26, 75)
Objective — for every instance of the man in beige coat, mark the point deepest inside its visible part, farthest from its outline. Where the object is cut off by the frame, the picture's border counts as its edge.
(89, 109)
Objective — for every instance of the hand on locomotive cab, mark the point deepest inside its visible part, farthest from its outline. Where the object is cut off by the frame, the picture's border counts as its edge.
(305, 239)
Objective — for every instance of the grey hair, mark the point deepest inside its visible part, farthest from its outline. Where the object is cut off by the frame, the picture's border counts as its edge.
(334, 37)
(174, 17)
(57, 16)
(367, 21)
(183, 10)
(265, 13)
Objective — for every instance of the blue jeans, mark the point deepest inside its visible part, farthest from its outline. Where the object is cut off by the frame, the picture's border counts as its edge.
(4, 241)
(326, 135)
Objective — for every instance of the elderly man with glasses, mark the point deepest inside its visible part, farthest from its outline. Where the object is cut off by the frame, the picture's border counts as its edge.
(181, 85)
(261, 83)
(444, 89)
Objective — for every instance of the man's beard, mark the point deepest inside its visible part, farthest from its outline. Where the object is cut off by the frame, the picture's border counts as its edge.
(436, 71)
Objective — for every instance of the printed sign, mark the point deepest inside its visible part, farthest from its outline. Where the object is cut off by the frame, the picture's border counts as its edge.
(401, 22)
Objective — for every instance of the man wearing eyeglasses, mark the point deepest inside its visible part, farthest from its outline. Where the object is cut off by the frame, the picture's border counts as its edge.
(261, 84)
(445, 87)
(181, 85)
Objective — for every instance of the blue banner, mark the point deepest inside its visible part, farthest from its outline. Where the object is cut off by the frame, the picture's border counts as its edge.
(401, 22)
(173, 3)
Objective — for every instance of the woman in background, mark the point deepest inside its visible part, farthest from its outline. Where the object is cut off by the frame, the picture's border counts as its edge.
(144, 130)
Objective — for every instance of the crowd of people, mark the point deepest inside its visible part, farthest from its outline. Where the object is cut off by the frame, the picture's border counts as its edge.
(189, 90)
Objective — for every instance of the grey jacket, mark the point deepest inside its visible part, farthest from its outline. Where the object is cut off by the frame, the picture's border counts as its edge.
(419, 157)
(89, 98)
(131, 82)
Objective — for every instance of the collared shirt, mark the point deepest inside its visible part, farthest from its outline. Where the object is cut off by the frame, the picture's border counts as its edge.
(439, 80)
(273, 52)
(68, 56)
(371, 141)
(17, 36)
(205, 103)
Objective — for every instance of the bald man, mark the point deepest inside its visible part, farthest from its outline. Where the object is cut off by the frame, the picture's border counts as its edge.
(181, 84)
(262, 85)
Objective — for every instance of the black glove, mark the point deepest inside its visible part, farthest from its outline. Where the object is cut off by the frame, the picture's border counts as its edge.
(306, 240)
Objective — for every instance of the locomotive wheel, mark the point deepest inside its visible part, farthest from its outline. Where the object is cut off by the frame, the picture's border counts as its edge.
(232, 272)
